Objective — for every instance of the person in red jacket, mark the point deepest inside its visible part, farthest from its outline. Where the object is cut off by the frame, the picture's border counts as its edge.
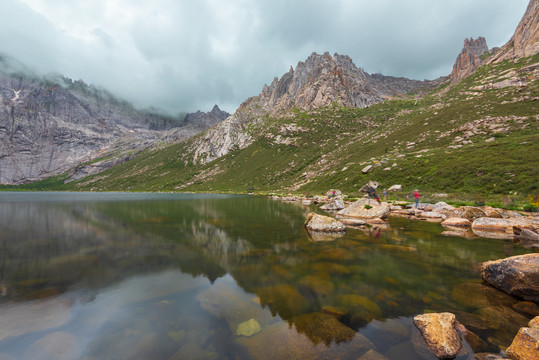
(416, 197)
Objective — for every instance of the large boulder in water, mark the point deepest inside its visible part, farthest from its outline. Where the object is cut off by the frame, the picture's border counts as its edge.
(321, 223)
(439, 331)
(515, 275)
(365, 209)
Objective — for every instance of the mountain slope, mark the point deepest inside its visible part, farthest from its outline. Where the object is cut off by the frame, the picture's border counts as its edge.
(479, 136)
(309, 132)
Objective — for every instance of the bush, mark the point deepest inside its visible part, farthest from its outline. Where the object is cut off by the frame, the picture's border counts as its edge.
(530, 208)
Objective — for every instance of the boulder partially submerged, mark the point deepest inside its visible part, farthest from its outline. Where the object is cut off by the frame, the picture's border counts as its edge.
(515, 275)
(439, 332)
(320, 223)
(525, 344)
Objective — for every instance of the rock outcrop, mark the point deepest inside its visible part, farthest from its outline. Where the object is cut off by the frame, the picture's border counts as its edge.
(525, 40)
(195, 123)
(525, 344)
(469, 58)
(516, 275)
(53, 124)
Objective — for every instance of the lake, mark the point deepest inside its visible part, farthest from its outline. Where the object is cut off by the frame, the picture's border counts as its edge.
(194, 276)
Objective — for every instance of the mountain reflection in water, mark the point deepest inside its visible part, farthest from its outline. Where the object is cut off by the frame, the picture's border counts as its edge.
(177, 276)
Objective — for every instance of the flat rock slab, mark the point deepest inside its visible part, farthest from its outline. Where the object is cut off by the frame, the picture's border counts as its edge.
(501, 225)
(516, 275)
(365, 209)
(457, 222)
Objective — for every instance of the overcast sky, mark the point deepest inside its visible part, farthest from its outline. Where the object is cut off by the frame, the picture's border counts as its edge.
(187, 55)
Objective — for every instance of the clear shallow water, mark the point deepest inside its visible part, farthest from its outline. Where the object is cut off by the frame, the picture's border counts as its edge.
(175, 276)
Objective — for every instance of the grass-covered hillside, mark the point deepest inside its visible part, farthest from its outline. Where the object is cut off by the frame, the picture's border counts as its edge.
(477, 140)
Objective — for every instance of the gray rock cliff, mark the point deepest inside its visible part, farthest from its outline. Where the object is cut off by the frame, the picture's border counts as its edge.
(49, 125)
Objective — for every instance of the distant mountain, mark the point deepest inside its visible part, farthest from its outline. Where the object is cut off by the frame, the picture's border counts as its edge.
(321, 80)
(194, 123)
(51, 124)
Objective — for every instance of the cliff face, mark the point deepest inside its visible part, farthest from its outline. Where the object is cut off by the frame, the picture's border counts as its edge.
(469, 58)
(50, 125)
(525, 40)
(319, 81)
(324, 79)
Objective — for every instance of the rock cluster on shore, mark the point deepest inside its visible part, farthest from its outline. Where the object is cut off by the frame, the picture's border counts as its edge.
(440, 333)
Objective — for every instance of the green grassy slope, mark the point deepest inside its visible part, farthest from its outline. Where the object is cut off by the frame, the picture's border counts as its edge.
(459, 140)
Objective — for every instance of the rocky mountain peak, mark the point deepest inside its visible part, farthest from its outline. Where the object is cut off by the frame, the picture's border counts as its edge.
(469, 58)
(525, 40)
(206, 119)
(322, 80)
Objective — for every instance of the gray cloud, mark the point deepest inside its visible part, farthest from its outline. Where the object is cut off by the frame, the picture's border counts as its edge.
(188, 55)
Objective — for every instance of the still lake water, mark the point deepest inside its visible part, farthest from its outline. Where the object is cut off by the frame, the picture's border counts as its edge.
(181, 276)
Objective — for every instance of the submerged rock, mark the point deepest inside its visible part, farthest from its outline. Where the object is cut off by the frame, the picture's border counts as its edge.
(440, 334)
(232, 305)
(248, 328)
(323, 328)
(516, 275)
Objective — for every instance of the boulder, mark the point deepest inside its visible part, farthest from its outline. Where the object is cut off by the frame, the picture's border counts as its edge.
(525, 344)
(332, 191)
(366, 169)
(334, 204)
(439, 333)
(516, 275)
(365, 209)
(395, 188)
(320, 223)
(468, 212)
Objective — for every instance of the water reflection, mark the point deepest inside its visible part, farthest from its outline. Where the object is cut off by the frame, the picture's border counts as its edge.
(168, 276)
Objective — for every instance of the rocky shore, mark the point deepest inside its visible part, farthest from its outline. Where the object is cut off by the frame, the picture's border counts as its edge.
(440, 334)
